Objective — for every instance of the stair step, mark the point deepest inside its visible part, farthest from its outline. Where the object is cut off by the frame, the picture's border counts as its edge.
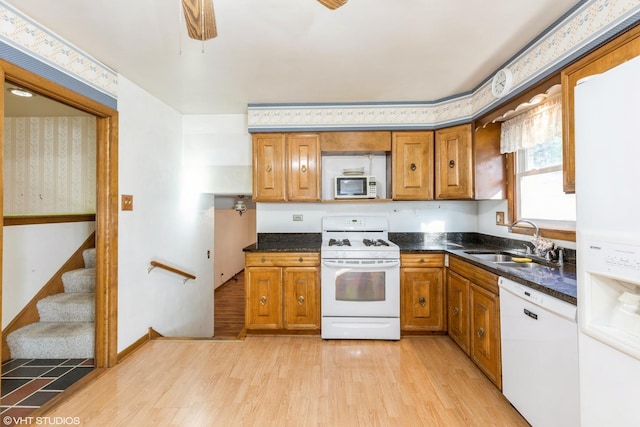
(53, 340)
(80, 280)
(89, 256)
(67, 307)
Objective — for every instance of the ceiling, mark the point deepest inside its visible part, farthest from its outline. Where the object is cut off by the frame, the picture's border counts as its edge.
(298, 51)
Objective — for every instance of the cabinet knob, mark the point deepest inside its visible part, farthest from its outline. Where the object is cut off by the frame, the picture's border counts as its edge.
(303, 168)
(269, 168)
(300, 259)
(263, 300)
(452, 163)
(422, 301)
(480, 332)
(300, 300)
(456, 311)
(263, 260)
(413, 166)
(421, 261)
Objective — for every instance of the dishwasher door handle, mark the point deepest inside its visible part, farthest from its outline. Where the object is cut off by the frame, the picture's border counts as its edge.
(531, 314)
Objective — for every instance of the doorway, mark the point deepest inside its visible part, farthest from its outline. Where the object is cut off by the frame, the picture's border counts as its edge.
(106, 201)
(234, 229)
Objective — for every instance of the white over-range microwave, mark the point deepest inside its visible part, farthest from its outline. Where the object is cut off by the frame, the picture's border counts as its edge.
(355, 187)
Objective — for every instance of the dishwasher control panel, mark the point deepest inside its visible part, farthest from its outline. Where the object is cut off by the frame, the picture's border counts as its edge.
(538, 298)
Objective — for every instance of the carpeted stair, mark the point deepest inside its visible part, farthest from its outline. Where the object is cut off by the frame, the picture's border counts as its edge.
(66, 327)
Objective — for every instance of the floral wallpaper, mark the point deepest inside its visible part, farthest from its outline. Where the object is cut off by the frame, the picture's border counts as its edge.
(49, 165)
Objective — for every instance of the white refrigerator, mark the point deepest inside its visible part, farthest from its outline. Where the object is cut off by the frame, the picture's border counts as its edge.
(607, 126)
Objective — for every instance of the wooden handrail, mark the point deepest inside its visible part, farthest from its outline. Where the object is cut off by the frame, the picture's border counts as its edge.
(155, 264)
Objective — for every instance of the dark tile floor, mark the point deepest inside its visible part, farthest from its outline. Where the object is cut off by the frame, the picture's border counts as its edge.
(28, 384)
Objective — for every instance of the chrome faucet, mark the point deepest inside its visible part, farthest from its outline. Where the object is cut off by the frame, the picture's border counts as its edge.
(536, 230)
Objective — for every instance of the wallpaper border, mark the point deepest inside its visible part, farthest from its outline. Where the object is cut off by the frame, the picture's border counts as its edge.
(586, 26)
(26, 43)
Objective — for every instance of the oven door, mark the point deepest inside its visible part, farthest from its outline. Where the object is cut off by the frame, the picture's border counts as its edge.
(361, 288)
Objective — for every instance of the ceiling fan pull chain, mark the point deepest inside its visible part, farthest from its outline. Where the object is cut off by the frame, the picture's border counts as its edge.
(181, 24)
(202, 18)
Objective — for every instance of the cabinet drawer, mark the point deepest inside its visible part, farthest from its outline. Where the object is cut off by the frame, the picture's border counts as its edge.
(270, 259)
(477, 275)
(422, 260)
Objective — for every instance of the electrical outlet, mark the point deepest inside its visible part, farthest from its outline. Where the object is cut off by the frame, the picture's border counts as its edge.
(297, 217)
(127, 202)
(499, 218)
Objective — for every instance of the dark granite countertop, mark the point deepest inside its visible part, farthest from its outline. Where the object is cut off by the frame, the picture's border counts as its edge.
(286, 242)
(559, 282)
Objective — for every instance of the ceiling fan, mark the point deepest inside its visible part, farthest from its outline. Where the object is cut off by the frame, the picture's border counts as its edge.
(201, 21)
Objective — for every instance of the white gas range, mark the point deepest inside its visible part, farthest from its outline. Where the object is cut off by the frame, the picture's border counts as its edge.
(360, 279)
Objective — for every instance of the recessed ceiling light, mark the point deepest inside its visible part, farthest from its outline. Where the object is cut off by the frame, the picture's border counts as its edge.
(20, 92)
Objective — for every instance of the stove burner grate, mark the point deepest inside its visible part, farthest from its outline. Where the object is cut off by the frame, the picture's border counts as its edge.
(339, 242)
(376, 242)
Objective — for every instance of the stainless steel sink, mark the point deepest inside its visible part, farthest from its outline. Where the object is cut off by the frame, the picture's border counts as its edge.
(493, 257)
(520, 264)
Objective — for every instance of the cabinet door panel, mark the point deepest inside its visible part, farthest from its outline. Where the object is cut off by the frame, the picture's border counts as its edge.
(269, 167)
(485, 333)
(412, 165)
(263, 298)
(458, 309)
(422, 299)
(454, 163)
(304, 167)
(301, 298)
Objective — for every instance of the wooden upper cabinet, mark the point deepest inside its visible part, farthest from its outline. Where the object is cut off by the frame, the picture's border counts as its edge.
(303, 167)
(286, 166)
(269, 167)
(412, 170)
(454, 162)
(623, 48)
(356, 141)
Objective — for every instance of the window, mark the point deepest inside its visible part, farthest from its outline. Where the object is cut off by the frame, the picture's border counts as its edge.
(535, 139)
(539, 185)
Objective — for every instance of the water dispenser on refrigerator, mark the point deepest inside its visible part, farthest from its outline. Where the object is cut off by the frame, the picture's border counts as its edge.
(610, 290)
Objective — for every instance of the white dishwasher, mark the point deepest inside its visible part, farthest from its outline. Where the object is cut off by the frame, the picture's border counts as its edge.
(539, 338)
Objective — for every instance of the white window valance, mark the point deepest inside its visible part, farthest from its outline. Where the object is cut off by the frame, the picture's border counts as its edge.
(535, 126)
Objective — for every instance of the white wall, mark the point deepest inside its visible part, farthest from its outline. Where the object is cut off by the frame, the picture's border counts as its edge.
(433, 216)
(169, 223)
(32, 255)
(217, 148)
(232, 233)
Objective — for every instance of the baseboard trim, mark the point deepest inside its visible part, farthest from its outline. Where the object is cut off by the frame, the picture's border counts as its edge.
(150, 335)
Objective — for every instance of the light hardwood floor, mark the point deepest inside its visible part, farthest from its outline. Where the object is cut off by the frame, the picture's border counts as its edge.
(293, 381)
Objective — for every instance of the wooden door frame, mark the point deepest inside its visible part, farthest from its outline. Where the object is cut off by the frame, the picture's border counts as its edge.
(106, 344)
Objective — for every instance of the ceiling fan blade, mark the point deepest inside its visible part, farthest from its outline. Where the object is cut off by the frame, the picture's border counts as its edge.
(201, 21)
(333, 4)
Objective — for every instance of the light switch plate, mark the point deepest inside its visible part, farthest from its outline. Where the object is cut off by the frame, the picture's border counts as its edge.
(126, 202)
(499, 218)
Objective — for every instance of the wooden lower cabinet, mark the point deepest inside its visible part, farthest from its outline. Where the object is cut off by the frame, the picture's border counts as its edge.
(485, 333)
(263, 298)
(422, 303)
(301, 297)
(458, 309)
(282, 291)
(473, 311)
